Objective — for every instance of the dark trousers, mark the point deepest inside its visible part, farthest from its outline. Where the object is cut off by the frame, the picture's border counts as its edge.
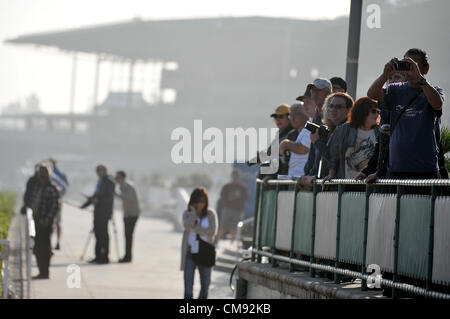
(101, 236)
(130, 223)
(42, 248)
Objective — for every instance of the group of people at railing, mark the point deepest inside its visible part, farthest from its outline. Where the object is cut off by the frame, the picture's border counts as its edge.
(393, 132)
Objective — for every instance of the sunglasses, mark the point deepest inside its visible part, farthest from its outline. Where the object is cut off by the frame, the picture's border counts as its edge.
(336, 106)
(374, 111)
(280, 117)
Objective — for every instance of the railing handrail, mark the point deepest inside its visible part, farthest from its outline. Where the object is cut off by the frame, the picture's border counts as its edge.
(395, 284)
(381, 182)
(4, 255)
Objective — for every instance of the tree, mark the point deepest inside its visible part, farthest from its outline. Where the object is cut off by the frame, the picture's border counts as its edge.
(445, 139)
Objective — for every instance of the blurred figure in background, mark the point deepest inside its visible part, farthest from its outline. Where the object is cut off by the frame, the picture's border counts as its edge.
(45, 201)
(234, 197)
(61, 183)
(131, 212)
(103, 200)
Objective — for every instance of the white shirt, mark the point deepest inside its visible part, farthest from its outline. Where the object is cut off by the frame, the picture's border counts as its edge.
(297, 161)
(193, 235)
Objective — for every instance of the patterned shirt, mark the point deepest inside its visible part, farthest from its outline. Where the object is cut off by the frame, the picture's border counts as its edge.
(45, 204)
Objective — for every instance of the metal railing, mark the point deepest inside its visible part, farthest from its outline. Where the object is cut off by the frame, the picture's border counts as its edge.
(4, 255)
(338, 269)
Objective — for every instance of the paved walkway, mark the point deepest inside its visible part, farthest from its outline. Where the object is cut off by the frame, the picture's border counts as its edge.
(154, 272)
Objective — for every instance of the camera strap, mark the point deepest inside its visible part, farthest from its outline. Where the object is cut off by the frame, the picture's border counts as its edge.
(404, 110)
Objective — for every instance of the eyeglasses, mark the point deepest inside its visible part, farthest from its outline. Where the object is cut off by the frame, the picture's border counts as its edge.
(280, 117)
(336, 106)
(375, 111)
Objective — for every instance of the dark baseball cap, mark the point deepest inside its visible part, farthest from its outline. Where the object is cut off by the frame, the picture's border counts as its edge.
(340, 82)
(307, 94)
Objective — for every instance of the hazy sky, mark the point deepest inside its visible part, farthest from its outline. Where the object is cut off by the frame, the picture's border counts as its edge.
(24, 70)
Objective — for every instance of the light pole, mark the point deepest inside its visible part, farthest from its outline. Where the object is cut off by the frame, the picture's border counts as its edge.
(354, 34)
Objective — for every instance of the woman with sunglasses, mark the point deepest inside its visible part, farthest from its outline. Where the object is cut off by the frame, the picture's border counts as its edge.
(200, 223)
(353, 143)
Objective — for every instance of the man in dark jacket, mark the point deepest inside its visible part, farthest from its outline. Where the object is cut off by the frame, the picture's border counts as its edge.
(102, 200)
(32, 183)
(44, 204)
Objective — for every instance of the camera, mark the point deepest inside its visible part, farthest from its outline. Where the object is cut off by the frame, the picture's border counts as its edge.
(402, 66)
(324, 131)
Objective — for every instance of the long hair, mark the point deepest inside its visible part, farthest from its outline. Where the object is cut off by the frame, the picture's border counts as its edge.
(198, 194)
(361, 109)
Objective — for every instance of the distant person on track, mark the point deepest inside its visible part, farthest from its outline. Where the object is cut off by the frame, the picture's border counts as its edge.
(103, 200)
(234, 197)
(45, 201)
(131, 212)
(59, 179)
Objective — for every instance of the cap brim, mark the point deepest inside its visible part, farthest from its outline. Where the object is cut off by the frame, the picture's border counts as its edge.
(300, 98)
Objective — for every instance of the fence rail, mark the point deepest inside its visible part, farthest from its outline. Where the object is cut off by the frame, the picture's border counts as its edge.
(406, 235)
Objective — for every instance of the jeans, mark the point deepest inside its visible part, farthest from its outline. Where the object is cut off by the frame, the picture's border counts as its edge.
(189, 274)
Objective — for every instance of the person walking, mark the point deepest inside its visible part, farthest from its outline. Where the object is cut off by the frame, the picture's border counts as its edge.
(103, 200)
(200, 228)
(131, 212)
(44, 204)
(234, 197)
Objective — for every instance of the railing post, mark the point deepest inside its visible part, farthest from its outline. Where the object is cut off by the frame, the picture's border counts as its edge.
(337, 278)
(255, 218)
(431, 240)
(369, 190)
(291, 254)
(274, 262)
(400, 191)
(259, 257)
(312, 271)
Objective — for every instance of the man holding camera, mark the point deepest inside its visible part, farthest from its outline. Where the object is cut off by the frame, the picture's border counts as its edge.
(335, 112)
(415, 106)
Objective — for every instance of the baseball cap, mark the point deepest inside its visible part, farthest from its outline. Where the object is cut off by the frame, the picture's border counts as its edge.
(282, 109)
(321, 83)
(307, 94)
(339, 81)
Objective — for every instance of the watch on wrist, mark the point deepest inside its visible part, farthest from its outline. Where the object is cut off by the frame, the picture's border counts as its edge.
(422, 81)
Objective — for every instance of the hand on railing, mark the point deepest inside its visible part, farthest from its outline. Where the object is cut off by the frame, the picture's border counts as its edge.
(306, 181)
(371, 179)
(360, 176)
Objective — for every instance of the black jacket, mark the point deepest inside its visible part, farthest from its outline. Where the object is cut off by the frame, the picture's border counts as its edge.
(104, 198)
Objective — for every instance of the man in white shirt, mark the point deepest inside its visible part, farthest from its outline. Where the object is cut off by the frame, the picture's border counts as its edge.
(300, 148)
